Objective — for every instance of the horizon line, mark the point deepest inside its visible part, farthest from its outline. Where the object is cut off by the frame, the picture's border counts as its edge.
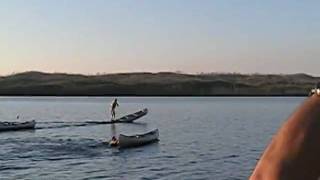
(153, 72)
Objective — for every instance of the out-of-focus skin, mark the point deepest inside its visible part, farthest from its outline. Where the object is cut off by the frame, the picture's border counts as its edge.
(294, 152)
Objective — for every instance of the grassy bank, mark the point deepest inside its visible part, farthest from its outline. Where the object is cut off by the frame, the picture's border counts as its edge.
(155, 84)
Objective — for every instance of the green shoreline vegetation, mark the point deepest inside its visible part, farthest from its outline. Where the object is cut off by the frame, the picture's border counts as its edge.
(156, 84)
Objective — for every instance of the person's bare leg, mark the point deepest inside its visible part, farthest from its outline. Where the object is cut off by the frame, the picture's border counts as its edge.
(294, 152)
(113, 114)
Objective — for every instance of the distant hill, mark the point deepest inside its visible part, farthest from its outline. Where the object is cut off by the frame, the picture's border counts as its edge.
(155, 84)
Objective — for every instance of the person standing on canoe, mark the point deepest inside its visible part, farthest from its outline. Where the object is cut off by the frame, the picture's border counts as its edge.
(114, 104)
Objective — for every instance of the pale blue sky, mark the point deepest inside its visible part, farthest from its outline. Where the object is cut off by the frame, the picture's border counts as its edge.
(90, 36)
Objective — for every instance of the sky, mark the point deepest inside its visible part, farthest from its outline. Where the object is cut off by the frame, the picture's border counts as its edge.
(192, 36)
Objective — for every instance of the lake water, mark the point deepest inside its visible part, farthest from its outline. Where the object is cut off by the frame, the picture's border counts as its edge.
(200, 138)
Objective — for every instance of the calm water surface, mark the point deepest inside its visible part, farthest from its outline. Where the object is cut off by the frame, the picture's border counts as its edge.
(200, 138)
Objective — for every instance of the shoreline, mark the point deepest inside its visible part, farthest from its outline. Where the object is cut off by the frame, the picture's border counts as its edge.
(153, 95)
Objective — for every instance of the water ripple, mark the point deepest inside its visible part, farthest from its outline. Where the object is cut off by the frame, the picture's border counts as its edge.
(201, 138)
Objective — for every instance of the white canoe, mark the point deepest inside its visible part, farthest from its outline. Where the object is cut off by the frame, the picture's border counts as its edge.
(138, 139)
(125, 119)
(131, 117)
(14, 126)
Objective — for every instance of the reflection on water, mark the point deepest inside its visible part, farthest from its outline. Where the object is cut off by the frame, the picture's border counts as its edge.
(113, 130)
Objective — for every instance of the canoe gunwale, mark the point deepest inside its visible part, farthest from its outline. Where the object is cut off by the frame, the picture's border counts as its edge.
(138, 139)
(16, 126)
(123, 119)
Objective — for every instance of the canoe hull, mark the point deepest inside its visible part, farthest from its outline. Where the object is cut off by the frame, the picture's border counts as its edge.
(15, 126)
(131, 117)
(139, 139)
(125, 119)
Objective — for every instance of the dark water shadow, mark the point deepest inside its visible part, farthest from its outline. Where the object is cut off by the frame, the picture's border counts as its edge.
(61, 124)
(18, 131)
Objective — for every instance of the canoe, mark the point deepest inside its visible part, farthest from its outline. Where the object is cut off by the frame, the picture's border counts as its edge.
(138, 139)
(125, 119)
(14, 126)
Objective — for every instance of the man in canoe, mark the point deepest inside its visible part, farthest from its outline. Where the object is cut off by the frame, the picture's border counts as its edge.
(114, 141)
(293, 153)
(114, 104)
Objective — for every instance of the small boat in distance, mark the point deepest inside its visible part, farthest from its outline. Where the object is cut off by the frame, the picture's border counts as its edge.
(125, 119)
(15, 126)
(138, 139)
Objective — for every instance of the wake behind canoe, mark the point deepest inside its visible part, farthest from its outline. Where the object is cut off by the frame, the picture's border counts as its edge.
(125, 119)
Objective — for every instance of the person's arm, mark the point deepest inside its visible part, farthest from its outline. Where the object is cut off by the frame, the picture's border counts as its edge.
(294, 152)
